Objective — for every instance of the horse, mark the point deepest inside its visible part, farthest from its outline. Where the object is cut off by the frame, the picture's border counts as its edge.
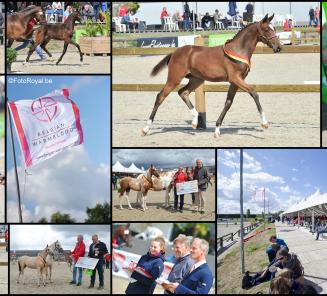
(230, 62)
(54, 247)
(38, 262)
(63, 32)
(142, 184)
(17, 23)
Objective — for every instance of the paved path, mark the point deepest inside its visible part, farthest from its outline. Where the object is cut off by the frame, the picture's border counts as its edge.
(312, 253)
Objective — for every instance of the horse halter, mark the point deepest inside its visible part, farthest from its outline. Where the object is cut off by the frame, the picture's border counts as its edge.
(263, 37)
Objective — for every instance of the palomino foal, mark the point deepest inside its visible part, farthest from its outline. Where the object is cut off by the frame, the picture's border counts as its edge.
(142, 183)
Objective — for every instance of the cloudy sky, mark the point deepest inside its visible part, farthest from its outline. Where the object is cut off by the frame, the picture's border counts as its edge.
(163, 158)
(36, 237)
(288, 176)
(77, 177)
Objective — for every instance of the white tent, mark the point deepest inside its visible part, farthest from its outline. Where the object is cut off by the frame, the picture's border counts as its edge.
(316, 202)
(133, 169)
(119, 168)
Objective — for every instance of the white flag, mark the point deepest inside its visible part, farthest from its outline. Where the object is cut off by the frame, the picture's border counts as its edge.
(46, 126)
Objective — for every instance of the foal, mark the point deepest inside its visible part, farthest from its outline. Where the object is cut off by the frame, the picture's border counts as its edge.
(142, 183)
(230, 62)
(63, 32)
(38, 263)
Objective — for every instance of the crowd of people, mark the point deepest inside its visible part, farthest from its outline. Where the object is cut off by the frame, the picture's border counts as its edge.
(189, 275)
(97, 250)
(319, 227)
(56, 13)
(314, 17)
(284, 271)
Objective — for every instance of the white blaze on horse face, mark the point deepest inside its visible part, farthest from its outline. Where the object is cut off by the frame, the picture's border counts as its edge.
(272, 27)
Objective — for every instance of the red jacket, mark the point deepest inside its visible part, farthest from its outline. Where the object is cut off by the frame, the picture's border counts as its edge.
(180, 178)
(6, 235)
(164, 13)
(79, 251)
(30, 25)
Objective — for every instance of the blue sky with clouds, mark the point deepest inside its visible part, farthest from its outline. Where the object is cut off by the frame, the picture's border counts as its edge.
(288, 176)
(75, 178)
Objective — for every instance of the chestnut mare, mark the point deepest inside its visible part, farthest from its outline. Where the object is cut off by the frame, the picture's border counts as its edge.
(230, 62)
(17, 23)
(63, 32)
(142, 183)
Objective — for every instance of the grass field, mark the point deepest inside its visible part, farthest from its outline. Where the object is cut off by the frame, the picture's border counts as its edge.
(229, 275)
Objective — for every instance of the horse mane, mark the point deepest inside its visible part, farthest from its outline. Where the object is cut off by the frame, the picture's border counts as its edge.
(242, 30)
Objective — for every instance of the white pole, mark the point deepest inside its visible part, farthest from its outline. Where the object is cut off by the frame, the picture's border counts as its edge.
(241, 204)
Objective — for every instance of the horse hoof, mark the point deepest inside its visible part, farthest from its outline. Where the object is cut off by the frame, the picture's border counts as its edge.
(131, 208)
(217, 135)
(194, 126)
(144, 131)
(264, 125)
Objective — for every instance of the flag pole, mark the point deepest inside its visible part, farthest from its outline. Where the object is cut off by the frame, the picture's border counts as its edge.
(15, 164)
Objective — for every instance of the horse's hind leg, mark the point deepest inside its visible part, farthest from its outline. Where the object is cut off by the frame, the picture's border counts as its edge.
(127, 199)
(79, 49)
(184, 93)
(229, 101)
(63, 52)
(160, 98)
(43, 46)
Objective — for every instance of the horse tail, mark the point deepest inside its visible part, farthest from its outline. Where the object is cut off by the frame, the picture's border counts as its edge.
(163, 63)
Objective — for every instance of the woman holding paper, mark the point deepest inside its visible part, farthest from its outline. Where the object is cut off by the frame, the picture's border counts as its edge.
(180, 177)
(148, 269)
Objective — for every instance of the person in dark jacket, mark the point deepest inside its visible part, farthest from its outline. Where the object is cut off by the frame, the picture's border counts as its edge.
(183, 261)
(201, 174)
(199, 280)
(97, 250)
(148, 269)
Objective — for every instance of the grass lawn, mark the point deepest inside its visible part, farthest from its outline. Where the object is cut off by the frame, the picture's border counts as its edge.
(229, 275)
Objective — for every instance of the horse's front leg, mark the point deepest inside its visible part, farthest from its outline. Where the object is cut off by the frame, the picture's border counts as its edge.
(79, 49)
(239, 81)
(127, 198)
(229, 101)
(10, 42)
(50, 271)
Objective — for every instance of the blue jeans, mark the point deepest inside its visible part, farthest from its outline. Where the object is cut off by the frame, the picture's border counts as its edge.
(99, 268)
(37, 49)
(96, 9)
(80, 274)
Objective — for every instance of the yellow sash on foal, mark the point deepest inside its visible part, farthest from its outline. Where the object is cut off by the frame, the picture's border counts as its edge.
(236, 57)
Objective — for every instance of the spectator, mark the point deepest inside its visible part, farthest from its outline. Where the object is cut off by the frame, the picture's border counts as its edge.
(177, 18)
(57, 8)
(218, 17)
(206, 21)
(163, 14)
(201, 174)
(96, 8)
(67, 12)
(148, 269)
(274, 240)
(6, 239)
(179, 177)
(312, 17)
(97, 250)
(123, 9)
(79, 251)
(249, 8)
(182, 262)
(321, 229)
(317, 16)
(133, 21)
(114, 179)
(88, 12)
(186, 16)
(190, 177)
(272, 251)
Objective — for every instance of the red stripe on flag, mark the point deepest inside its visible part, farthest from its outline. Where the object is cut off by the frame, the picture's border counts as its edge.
(77, 118)
(21, 134)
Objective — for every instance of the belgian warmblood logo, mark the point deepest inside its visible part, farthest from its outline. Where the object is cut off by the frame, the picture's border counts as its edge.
(44, 109)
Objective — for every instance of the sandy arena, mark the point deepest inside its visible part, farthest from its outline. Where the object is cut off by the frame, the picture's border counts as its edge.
(294, 117)
(3, 280)
(61, 276)
(157, 212)
(70, 63)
